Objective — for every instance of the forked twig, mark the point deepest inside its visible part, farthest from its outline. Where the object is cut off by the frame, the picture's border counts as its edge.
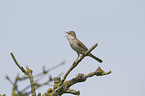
(26, 72)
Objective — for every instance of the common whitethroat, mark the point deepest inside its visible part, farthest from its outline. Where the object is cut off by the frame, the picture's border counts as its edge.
(78, 46)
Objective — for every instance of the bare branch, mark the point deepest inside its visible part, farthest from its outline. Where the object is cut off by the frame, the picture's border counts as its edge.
(21, 68)
(79, 78)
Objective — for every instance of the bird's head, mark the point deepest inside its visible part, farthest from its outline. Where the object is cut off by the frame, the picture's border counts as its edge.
(70, 34)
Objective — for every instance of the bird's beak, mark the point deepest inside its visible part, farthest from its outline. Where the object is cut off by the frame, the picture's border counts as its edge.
(66, 35)
(66, 32)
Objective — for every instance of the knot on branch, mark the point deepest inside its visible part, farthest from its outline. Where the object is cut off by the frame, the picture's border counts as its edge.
(80, 77)
(100, 72)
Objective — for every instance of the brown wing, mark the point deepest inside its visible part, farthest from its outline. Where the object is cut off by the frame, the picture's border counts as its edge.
(82, 45)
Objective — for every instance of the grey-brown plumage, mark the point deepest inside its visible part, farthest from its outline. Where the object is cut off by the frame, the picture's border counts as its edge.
(78, 46)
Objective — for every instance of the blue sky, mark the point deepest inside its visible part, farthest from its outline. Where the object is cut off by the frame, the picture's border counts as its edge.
(34, 32)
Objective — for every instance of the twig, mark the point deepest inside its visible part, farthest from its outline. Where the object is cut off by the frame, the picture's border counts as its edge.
(21, 68)
(46, 71)
(14, 84)
(71, 91)
(7, 77)
(27, 72)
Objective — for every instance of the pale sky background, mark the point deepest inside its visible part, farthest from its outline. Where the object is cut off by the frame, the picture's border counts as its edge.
(34, 31)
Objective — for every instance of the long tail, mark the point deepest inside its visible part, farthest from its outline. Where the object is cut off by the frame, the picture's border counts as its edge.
(96, 58)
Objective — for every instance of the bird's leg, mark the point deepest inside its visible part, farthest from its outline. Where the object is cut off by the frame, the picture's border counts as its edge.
(78, 55)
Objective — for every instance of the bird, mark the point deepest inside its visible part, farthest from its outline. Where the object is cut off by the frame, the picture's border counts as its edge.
(78, 46)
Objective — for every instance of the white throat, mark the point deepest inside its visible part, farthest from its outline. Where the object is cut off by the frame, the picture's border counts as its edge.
(70, 37)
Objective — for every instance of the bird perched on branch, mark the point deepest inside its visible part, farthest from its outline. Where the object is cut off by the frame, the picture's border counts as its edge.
(78, 46)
